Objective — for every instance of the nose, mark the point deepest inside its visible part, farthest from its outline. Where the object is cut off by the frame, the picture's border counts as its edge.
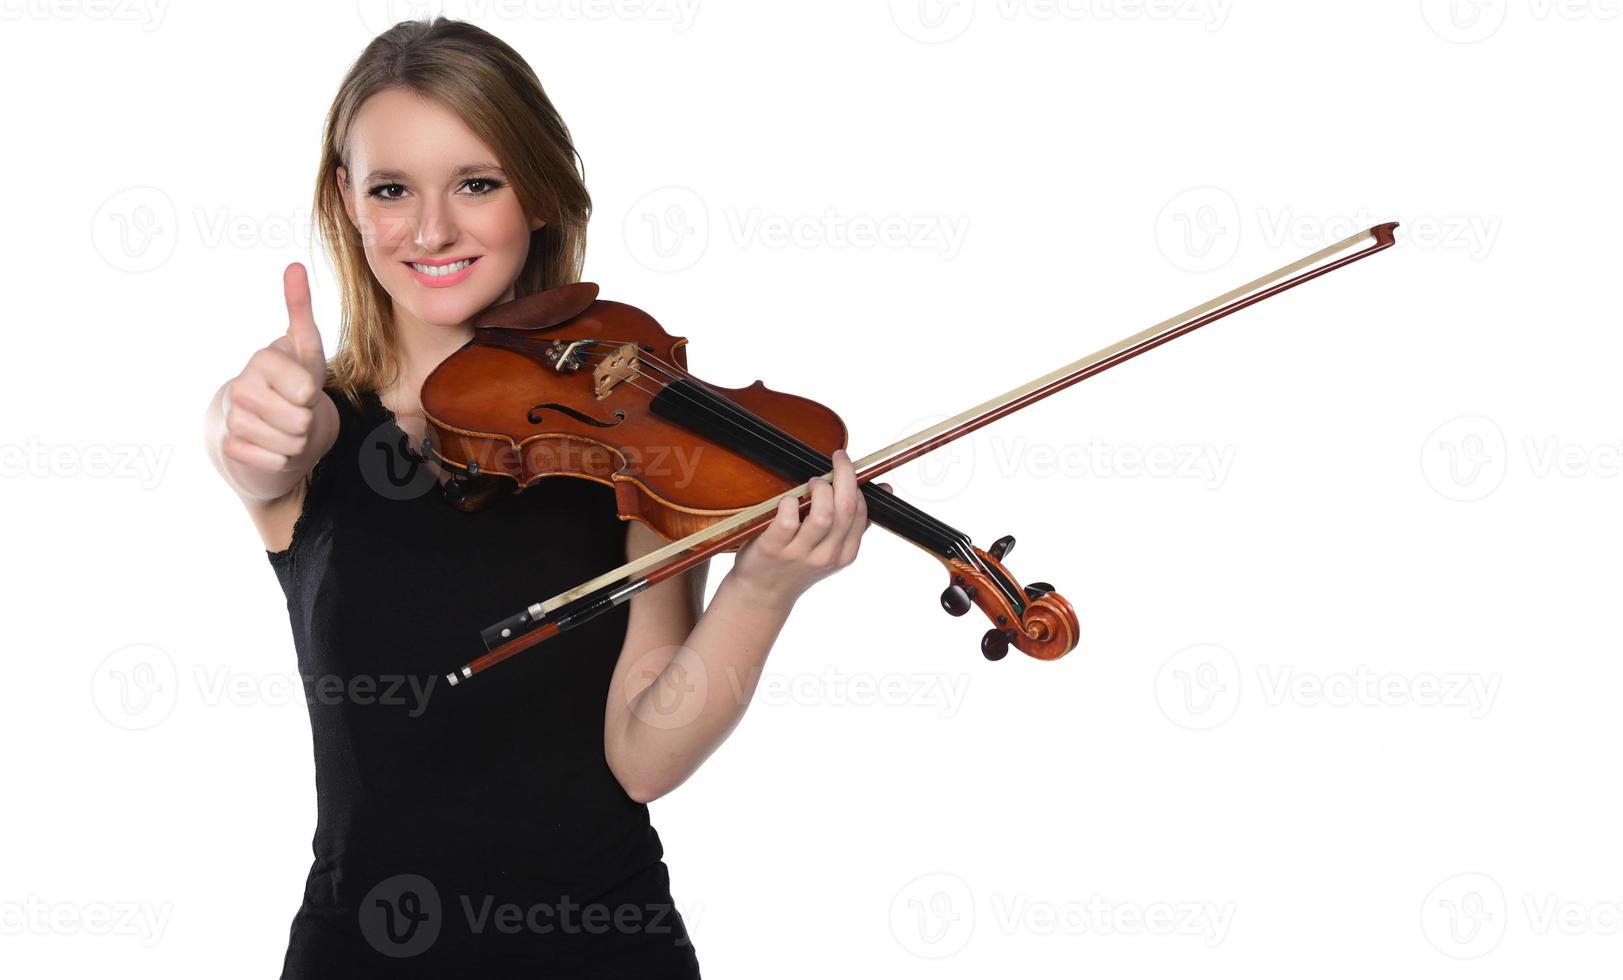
(436, 228)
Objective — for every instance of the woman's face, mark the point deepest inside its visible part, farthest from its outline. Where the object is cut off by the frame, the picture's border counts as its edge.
(428, 199)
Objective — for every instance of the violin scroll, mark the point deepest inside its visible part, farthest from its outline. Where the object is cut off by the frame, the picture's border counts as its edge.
(1041, 624)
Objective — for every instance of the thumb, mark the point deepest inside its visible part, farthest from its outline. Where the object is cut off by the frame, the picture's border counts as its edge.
(301, 322)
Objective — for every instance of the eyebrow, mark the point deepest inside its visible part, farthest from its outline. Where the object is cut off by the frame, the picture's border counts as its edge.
(462, 171)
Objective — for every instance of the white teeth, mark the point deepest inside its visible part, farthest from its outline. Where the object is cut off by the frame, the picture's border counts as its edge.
(442, 270)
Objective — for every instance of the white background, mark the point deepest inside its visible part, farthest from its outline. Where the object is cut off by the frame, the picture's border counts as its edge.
(1346, 563)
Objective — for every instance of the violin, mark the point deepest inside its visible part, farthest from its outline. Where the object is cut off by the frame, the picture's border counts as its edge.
(562, 383)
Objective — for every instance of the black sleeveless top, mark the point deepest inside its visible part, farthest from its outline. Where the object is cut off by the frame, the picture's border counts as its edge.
(473, 830)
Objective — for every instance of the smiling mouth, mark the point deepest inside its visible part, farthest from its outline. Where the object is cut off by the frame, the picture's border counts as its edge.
(449, 268)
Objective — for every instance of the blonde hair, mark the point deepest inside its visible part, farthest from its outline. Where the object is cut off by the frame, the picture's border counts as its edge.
(498, 96)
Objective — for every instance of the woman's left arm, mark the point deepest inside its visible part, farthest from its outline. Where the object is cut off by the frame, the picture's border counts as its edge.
(683, 679)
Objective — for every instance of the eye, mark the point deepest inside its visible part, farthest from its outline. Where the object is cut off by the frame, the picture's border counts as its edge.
(491, 185)
(377, 192)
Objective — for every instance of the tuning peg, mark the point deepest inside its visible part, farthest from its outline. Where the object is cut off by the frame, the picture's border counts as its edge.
(956, 599)
(995, 644)
(1001, 547)
(1036, 590)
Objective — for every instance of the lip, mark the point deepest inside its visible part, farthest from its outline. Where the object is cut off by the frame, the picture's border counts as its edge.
(441, 282)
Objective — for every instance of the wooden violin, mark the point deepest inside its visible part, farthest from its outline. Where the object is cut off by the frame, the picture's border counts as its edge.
(562, 383)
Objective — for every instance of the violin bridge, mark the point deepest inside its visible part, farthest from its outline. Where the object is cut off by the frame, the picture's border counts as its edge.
(620, 365)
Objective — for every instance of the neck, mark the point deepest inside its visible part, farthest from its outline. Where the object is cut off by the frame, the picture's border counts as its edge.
(422, 346)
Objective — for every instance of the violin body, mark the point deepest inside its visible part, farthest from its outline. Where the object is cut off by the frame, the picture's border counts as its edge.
(511, 406)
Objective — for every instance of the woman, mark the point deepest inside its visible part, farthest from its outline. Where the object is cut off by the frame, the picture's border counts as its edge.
(500, 829)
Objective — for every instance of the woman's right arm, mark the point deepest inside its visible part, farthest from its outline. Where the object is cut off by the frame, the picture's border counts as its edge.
(267, 427)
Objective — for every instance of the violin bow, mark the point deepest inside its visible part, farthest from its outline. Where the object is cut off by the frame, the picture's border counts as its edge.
(544, 620)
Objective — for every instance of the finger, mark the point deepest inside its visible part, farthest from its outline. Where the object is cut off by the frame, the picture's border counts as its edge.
(850, 511)
(301, 321)
(785, 522)
(249, 454)
(852, 542)
(286, 376)
(272, 408)
(814, 527)
(249, 427)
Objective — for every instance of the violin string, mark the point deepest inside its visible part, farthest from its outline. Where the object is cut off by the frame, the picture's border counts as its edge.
(807, 455)
(899, 511)
(766, 431)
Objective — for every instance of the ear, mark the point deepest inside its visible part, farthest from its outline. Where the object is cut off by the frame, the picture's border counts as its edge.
(343, 193)
(536, 224)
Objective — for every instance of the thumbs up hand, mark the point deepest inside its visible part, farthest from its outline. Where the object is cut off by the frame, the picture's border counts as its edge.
(272, 409)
